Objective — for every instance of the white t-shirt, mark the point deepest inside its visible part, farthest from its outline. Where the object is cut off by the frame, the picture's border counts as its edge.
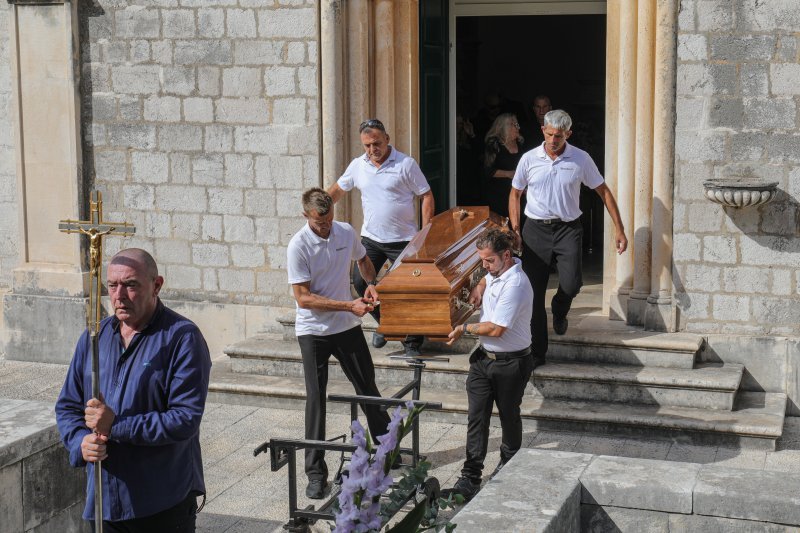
(554, 187)
(387, 195)
(508, 302)
(326, 264)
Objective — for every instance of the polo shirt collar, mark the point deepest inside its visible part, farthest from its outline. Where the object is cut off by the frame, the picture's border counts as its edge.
(541, 153)
(392, 157)
(316, 239)
(508, 274)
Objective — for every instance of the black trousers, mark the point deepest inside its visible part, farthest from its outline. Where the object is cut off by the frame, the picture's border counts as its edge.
(177, 519)
(379, 253)
(494, 382)
(559, 243)
(350, 349)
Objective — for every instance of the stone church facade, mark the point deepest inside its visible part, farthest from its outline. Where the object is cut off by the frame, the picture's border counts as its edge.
(201, 121)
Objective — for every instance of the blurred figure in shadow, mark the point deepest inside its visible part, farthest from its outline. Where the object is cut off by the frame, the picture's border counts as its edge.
(468, 164)
(504, 147)
(532, 129)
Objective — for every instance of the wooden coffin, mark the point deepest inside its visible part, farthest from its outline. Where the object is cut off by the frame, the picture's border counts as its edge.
(426, 290)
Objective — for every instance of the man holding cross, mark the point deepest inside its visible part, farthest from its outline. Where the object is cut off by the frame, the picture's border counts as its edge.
(145, 426)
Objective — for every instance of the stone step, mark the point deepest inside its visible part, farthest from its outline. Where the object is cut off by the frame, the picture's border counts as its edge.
(625, 347)
(755, 422)
(707, 386)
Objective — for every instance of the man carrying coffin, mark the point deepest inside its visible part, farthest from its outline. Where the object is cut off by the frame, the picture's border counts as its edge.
(501, 366)
(328, 320)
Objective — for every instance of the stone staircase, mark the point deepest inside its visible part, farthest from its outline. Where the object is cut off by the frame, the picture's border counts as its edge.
(611, 379)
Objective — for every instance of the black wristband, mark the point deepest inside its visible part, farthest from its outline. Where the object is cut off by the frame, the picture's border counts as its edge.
(373, 282)
(464, 327)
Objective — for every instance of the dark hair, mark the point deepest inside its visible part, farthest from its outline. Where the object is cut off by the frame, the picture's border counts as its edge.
(496, 239)
(316, 199)
(371, 124)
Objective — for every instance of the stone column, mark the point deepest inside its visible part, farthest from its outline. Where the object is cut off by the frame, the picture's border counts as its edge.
(331, 68)
(626, 157)
(660, 313)
(43, 312)
(640, 232)
(610, 170)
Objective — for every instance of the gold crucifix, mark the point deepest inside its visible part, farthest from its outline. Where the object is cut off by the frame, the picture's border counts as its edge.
(95, 228)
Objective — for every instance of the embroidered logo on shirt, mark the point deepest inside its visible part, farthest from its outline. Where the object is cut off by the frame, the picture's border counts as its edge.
(342, 248)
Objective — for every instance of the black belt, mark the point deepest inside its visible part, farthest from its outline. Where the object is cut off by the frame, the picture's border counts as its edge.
(504, 356)
(549, 221)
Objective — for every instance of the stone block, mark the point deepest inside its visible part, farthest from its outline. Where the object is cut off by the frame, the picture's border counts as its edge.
(536, 491)
(702, 277)
(769, 113)
(288, 203)
(307, 78)
(219, 138)
(780, 218)
(686, 15)
(783, 147)
(289, 111)
(181, 198)
(49, 485)
(137, 136)
(267, 230)
(280, 81)
(11, 497)
(694, 306)
(748, 494)
(704, 218)
(719, 249)
(241, 281)
(238, 228)
(726, 113)
(198, 110)
(241, 23)
(741, 48)
(173, 250)
(178, 80)
(777, 311)
(714, 15)
(210, 282)
(277, 256)
(767, 16)
(180, 137)
(692, 47)
(781, 282)
(769, 250)
(203, 52)
(242, 111)
(260, 202)
(239, 170)
(69, 519)
(208, 169)
(180, 168)
(787, 48)
(136, 79)
(260, 139)
(289, 23)
(149, 167)
(754, 79)
(161, 52)
(208, 81)
(700, 146)
(212, 228)
(211, 22)
(247, 256)
(136, 22)
(727, 307)
(210, 254)
(785, 78)
(764, 358)
(715, 79)
(241, 82)
(295, 52)
(258, 52)
(225, 201)
(140, 51)
(596, 518)
(42, 328)
(177, 23)
(744, 280)
(130, 108)
(97, 77)
(686, 247)
(182, 277)
(139, 197)
(690, 113)
(793, 377)
(714, 524)
(110, 165)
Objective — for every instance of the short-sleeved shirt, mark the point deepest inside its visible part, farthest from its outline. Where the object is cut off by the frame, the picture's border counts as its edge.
(508, 302)
(326, 264)
(387, 195)
(554, 187)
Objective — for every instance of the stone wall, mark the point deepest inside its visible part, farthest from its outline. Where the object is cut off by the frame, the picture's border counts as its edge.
(738, 102)
(9, 222)
(201, 127)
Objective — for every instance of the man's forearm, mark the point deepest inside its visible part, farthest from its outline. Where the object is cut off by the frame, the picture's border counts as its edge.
(485, 329)
(513, 209)
(366, 269)
(427, 208)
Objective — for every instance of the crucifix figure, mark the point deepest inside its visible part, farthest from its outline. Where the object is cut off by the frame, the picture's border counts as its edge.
(95, 228)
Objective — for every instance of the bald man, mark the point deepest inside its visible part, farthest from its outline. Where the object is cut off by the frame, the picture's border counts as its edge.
(145, 427)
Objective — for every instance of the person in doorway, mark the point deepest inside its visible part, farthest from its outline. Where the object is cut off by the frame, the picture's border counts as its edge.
(328, 321)
(533, 128)
(504, 148)
(145, 426)
(552, 174)
(390, 182)
(500, 368)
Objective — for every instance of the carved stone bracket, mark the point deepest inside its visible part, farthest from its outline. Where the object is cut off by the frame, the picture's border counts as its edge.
(740, 192)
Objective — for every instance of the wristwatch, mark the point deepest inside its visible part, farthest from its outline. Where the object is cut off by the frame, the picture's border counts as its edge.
(373, 282)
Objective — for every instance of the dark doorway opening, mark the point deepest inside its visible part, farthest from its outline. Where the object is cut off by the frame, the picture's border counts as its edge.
(517, 58)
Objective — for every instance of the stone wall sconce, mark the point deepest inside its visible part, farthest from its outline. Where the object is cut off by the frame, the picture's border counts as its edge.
(740, 192)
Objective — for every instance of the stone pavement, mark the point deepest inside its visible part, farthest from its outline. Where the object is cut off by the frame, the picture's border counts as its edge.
(244, 496)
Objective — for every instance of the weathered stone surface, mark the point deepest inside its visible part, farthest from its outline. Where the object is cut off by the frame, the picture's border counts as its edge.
(42, 328)
(713, 524)
(596, 519)
(639, 484)
(748, 494)
(49, 485)
(11, 497)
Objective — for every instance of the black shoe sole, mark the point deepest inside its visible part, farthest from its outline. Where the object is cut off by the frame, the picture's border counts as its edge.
(557, 326)
(378, 343)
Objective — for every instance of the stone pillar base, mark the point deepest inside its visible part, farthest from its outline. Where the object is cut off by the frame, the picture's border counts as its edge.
(636, 307)
(618, 305)
(660, 315)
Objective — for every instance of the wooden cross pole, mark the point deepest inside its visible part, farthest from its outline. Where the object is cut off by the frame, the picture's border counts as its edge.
(95, 228)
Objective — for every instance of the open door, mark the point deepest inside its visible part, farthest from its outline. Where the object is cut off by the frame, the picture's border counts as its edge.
(433, 53)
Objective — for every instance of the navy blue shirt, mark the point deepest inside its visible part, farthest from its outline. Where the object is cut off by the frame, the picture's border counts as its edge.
(157, 389)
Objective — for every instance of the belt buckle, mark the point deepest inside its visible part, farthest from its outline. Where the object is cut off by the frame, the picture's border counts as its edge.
(548, 221)
(490, 355)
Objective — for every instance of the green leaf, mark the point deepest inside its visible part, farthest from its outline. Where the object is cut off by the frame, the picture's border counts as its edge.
(410, 522)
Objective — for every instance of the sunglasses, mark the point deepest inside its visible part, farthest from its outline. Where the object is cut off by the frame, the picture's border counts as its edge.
(372, 123)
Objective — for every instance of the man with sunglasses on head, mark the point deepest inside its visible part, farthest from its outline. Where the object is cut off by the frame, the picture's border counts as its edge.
(389, 182)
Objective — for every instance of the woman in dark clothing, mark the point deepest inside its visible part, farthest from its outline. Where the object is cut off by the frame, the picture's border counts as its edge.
(504, 148)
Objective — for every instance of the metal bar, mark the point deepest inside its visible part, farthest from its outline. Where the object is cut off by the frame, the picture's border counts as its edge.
(301, 444)
(375, 400)
(415, 423)
(98, 466)
(292, 482)
(406, 389)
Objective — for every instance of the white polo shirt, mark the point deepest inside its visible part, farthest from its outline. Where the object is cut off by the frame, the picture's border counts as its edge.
(554, 187)
(387, 195)
(326, 264)
(508, 302)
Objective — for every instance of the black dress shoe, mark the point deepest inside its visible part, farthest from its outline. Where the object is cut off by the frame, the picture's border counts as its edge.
(316, 489)
(467, 487)
(412, 351)
(497, 468)
(378, 340)
(560, 325)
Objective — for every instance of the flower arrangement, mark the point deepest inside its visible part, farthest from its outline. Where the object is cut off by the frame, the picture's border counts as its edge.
(359, 507)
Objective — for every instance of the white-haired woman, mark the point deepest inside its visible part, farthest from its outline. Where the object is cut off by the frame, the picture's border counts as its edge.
(504, 147)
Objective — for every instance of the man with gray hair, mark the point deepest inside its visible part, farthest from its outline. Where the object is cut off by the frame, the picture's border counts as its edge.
(328, 320)
(552, 174)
